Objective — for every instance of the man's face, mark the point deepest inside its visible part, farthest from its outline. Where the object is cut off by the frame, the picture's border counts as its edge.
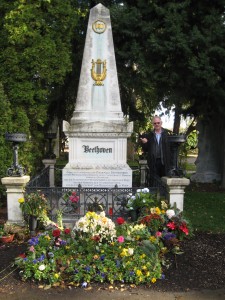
(157, 123)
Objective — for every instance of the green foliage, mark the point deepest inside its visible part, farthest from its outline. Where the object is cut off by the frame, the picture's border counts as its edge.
(171, 51)
(34, 204)
(5, 125)
(205, 210)
(36, 51)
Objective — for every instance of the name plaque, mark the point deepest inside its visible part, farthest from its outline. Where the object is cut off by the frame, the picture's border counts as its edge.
(97, 178)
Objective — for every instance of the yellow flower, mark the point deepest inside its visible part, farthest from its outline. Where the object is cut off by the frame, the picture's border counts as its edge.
(56, 275)
(144, 268)
(47, 237)
(21, 200)
(147, 274)
(142, 256)
(157, 211)
(139, 273)
(153, 280)
(67, 247)
(124, 252)
(152, 239)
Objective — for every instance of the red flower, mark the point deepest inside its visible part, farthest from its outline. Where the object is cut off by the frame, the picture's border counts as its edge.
(74, 199)
(171, 225)
(22, 255)
(67, 230)
(184, 228)
(96, 238)
(110, 211)
(56, 233)
(120, 220)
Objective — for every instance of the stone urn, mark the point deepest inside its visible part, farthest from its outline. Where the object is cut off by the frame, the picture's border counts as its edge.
(175, 142)
(15, 138)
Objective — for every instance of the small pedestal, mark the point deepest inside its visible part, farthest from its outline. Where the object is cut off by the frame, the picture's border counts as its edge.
(175, 188)
(14, 189)
(51, 164)
(143, 166)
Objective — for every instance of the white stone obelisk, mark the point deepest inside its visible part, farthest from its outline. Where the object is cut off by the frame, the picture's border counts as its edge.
(98, 130)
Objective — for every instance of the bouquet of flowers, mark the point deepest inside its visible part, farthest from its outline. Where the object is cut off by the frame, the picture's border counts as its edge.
(70, 202)
(34, 204)
(97, 226)
(168, 224)
(142, 200)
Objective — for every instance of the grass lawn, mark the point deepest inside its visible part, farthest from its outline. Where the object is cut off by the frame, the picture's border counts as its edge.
(205, 210)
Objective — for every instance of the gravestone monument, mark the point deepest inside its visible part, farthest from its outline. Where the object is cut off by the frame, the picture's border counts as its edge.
(98, 130)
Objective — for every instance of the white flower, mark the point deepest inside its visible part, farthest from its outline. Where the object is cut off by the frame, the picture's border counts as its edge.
(164, 205)
(130, 251)
(145, 190)
(102, 214)
(41, 267)
(129, 195)
(170, 213)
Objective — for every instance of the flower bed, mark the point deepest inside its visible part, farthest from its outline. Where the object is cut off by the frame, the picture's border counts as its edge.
(99, 250)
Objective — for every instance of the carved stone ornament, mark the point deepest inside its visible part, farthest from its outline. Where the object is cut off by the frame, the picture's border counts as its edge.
(98, 71)
(99, 26)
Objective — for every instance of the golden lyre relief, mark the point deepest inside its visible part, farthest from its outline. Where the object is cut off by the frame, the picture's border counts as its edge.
(99, 26)
(98, 71)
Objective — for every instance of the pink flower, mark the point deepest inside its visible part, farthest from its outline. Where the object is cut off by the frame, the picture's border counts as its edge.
(158, 234)
(120, 239)
(74, 199)
(31, 249)
(171, 225)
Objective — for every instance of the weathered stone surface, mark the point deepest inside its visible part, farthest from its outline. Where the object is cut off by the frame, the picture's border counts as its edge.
(98, 130)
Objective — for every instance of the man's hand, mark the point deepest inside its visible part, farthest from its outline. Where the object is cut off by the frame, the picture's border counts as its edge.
(144, 140)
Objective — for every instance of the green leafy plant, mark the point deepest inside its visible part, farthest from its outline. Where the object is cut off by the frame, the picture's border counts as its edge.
(34, 204)
(143, 200)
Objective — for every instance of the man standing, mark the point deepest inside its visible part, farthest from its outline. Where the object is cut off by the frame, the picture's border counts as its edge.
(157, 147)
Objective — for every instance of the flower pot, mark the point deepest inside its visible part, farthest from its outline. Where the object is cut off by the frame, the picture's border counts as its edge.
(133, 215)
(7, 238)
(32, 224)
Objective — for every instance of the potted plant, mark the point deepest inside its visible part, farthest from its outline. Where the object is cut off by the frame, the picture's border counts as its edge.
(140, 203)
(6, 236)
(34, 207)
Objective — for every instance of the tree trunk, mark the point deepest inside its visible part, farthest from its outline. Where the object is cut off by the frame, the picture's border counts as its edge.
(176, 124)
(209, 164)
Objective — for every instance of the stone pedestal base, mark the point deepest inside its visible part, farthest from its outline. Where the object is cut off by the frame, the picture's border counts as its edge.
(51, 164)
(175, 188)
(14, 189)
